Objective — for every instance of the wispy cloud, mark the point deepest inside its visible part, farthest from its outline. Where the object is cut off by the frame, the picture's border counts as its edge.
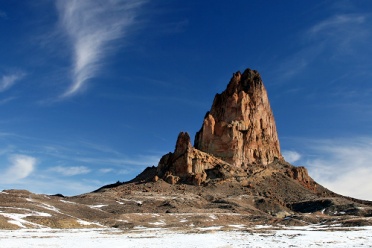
(344, 166)
(341, 33)
(93, 154)
(140, 161)
(338, 37)
(21, 167)
(8, 81)
(70, 171)
(335, 23)
(291, 156)
(91, 27)
(106, 170)
(296, 63)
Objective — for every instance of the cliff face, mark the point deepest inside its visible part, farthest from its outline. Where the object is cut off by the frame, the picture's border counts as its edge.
(240, 127)
(238, 136)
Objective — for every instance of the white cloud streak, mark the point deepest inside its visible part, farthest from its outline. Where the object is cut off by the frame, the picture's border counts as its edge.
(70, 171)
(91, 27)
(337, 23)
(344, 166)
(106, 170)
(8, 81)
(140, 161)
(332, 38)
(21, 167)
(341, 33)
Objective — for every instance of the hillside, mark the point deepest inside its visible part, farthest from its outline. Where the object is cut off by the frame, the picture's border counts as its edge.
(233, 176)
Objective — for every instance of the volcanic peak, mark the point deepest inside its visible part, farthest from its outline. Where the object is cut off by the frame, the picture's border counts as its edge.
(240, 127)
(238, 132)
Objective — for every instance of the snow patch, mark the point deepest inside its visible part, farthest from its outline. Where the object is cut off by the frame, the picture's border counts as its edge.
(130, 200)
(88, 223)
(69, 202)
(210, 228)
(50, 207)
(238, 226)
(213, 217)
(262, 226)
(97, 206)
(160, 237)
(18, 219)
(158, 223)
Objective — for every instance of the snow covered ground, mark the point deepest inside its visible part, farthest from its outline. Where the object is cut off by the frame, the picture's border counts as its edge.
(261, 236)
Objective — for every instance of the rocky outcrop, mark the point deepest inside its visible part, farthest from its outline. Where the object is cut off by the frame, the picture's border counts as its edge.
(301, 175)
(240, 127)
(237, 137)
(187, 163)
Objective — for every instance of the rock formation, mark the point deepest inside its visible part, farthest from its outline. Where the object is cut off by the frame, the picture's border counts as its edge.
(237, 148)
(237, 163)
(240, 127)
(238, 133)
(236, 160)
(187, 163)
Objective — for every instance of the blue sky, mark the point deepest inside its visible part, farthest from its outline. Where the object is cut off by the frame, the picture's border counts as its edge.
(92, 92)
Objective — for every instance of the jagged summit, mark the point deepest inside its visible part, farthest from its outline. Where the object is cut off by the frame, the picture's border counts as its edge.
(240, 127)
(238, 133)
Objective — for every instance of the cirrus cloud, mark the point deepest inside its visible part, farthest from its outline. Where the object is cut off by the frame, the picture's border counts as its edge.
(92, 26)
(70, 171)
(21, 167)
(7, 81)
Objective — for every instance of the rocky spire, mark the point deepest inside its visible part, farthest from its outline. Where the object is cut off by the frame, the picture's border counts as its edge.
(240, 127)
(237, 133)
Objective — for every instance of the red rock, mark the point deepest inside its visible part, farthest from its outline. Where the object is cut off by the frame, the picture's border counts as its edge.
(240, 127)
(238, 134)
(187, 163)
(301, 175)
